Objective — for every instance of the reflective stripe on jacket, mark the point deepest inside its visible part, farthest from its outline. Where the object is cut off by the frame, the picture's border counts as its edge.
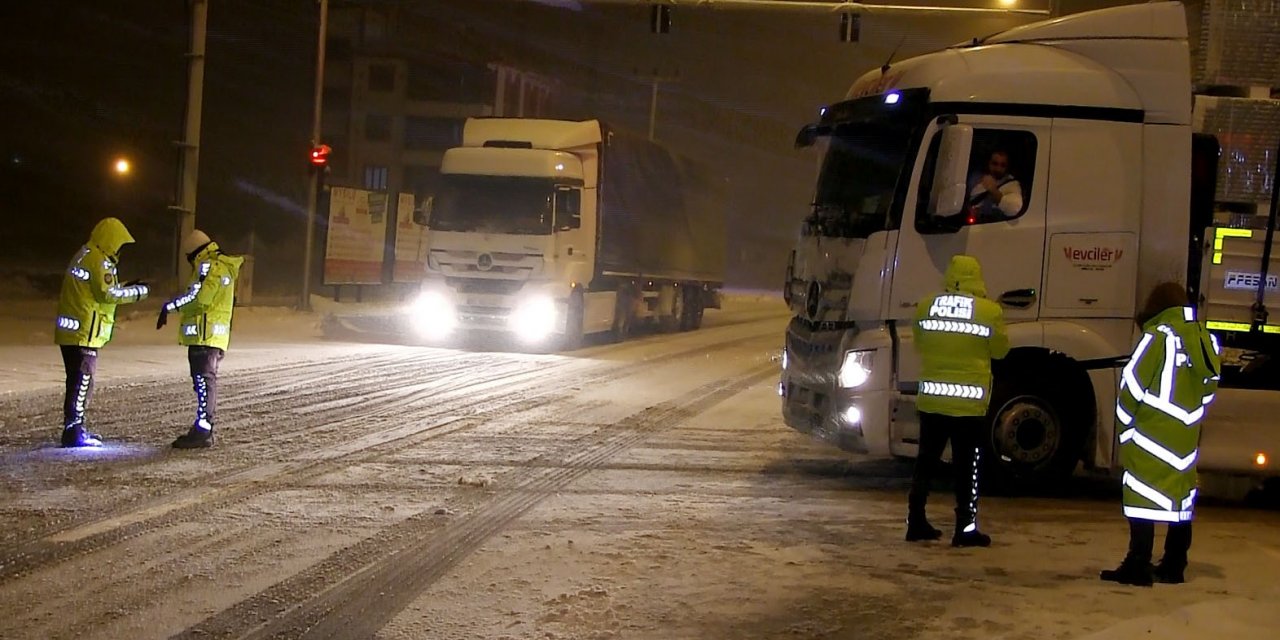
(209, 301)
(91, 289)
(957, 334)
(1165, 388)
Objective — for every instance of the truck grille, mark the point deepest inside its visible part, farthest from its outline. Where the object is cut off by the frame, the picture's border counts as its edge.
(484, 285)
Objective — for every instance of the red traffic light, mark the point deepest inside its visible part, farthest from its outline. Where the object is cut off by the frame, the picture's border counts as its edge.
(320, 155)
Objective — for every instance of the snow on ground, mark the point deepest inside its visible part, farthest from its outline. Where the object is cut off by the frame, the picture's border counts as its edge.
(643, 490)
(262, 335)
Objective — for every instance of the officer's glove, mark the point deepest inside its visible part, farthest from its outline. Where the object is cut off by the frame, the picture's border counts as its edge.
(163, 318)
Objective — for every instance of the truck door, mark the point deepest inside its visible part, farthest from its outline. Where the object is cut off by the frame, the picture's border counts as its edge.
(1009, 155)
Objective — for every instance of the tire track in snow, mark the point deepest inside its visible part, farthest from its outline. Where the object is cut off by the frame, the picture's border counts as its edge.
(244, 484)
(354, 593)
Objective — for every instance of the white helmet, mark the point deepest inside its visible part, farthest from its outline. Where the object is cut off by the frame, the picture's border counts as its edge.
(194, 241)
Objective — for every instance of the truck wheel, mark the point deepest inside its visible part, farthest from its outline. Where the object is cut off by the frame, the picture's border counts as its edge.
(674, 321)
(623, 315)
(1035, 437)
(573, 322)
(692, 317)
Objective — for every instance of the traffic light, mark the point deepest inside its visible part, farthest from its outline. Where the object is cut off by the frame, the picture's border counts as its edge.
(320, 156)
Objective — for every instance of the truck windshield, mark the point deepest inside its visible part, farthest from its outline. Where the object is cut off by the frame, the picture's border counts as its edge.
(494, 204)
(858, 180)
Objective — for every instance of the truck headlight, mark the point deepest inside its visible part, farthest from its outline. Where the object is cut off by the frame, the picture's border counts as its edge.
(534, 318)
(432, 314)
(856, 369)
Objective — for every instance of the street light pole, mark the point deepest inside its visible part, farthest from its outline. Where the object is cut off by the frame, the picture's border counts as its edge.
(305, 302)
(656, 79)
(189, 160)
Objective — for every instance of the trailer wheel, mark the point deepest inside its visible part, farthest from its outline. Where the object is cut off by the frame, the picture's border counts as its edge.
(675, 321)
(1037, 428)
(691, 317)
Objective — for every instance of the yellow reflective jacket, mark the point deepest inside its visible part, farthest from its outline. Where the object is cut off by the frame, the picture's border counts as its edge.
(958, 333)
(1165, 388)
(209, 301)
(91, 289)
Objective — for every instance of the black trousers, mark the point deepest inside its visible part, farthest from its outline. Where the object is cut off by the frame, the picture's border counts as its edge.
(935, 431)
(1142, 535)
(204, 379)
(80, 363)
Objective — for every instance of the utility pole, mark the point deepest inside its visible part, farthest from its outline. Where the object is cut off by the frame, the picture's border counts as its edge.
(305, 302)
(656, 79)
(189, 146)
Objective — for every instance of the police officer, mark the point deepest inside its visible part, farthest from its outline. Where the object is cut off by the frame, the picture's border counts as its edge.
(205, 327)
(957, 334)
(1165, 389)
(86, 317)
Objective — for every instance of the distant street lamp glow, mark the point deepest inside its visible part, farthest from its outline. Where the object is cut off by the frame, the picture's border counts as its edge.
(123, 167)
(1008, 3)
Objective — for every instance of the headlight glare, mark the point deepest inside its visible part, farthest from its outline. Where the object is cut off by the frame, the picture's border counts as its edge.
(856, 369)
(432, 315)
(534, 318)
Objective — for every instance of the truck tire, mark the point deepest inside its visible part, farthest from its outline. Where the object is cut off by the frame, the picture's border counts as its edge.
(1037, 432)
(624, 315)
(691, 319)
(675, 321)
(574, 318)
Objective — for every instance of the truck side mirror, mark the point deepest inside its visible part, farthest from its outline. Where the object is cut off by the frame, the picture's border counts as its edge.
(950, 190)
(422, 214)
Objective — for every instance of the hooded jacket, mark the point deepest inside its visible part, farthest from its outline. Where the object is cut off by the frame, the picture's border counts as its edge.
(210, 299)
(91, 289)
(957, 334)
(1165, 388)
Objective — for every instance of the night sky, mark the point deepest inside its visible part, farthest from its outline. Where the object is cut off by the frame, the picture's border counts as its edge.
(83, 82)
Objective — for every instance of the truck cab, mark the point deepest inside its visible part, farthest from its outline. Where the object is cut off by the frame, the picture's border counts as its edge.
(552, 230)
(1059, 155)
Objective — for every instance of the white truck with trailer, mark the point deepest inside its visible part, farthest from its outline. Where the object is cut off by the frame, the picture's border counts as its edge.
(551, 230)
(1092, 116)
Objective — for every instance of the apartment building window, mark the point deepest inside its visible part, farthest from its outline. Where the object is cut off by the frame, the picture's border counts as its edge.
(375, 177)
(382, 78)
(432, 134)
(448, 81)
(377, 127)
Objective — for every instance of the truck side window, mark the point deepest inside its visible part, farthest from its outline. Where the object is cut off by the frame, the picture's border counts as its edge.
(1002, 165)
(568, 208)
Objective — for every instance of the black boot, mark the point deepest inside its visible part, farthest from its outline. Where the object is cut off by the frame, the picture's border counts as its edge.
(196, 438)
(1136, 568)
(918, 528)
(78, 436)
(1174, 562)
(967, 534)
(1168, 573)
(970, 538)
(1130, 573)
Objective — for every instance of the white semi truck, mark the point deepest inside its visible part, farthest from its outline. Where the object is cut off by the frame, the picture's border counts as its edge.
(550, 230)
(1084, 125)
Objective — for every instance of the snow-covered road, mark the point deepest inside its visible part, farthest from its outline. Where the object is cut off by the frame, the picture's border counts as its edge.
(639, 490)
